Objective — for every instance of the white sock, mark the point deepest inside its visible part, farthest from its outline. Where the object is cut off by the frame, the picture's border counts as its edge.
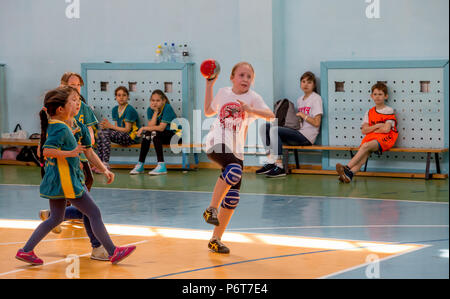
(279, 164)
(271, 159)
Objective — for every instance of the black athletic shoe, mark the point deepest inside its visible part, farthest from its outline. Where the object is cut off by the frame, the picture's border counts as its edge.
(210, 216)
(217, 246)
(276, 172)
(265, 169)
(344, 172)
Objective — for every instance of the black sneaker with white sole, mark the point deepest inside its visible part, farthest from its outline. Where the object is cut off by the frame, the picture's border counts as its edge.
(217, 246)
(210, 216)
(265, 169)
(276, 172)
(344, 172)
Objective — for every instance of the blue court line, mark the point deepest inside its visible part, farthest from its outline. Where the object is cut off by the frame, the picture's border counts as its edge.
(286, 255)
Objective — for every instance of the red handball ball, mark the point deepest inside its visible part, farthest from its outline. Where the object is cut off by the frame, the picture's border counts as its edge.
(210, 69)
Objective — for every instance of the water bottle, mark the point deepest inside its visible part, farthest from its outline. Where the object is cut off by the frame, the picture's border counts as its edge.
(172, 53)
(180, 53)
(186, 55)
(165, 53)
(158, 57)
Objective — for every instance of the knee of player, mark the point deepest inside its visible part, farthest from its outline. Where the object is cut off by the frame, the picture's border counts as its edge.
(231, 199)
(232, 174)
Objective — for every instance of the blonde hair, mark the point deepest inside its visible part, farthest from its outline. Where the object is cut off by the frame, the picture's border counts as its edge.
(66, 76)
(233, 71)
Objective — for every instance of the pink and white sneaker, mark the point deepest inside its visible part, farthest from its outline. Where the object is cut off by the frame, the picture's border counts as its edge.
(28, 257)
(121, 253)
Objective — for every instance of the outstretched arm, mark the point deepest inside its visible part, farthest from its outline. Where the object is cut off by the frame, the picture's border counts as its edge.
(209, 97)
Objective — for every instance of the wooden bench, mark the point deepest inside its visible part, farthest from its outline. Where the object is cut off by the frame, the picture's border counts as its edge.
(185, 156)
(427, 175)
(9, 142)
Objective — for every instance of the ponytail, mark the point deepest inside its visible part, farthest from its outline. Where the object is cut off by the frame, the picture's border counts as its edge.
(44, 126)
(53, 99)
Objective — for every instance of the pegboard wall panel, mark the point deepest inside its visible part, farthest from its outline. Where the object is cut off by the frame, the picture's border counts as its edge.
(3, 107)
(141, 79)
(418, 93)
(140, 84)
(419, 111)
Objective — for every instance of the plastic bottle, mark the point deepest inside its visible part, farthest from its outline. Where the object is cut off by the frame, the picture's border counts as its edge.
(165, 52)
(186, 54)
(180, 54)
(158, 57)
(172, 53)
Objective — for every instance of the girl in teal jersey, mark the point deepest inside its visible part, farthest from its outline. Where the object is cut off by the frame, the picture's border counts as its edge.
(63, 179)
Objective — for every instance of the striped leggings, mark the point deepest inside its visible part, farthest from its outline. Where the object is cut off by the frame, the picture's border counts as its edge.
(105, 137)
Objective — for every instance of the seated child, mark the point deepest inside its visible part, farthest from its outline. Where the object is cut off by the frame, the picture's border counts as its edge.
(158, 130)
(124, 131)
(380, 127)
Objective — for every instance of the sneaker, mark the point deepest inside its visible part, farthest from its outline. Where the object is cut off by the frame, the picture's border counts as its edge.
(28, 257)
(121, 253)
(99, 254)
(217, 246)
(159, 170)
(276, 172)
(344, 172)
(139, 168)
(44, 215)
(210, 216)
(266, 168)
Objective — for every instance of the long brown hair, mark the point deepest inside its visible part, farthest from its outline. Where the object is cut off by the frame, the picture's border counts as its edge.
(53, 99)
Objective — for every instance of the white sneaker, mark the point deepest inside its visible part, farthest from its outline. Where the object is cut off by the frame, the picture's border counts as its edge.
(159, 170)
(139, 168)
(99, 254)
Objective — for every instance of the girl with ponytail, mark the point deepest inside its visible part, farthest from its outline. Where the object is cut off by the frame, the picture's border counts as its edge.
(63, 179)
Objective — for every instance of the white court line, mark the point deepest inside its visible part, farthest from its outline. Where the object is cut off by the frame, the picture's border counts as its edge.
(342, 226)
(63, 260)
(367, 264)
(261, 194)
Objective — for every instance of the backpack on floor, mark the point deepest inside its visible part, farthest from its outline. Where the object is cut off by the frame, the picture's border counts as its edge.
(286, 115)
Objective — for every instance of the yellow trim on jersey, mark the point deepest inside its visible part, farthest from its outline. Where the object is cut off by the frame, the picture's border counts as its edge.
(123, 110)
(55, 121)
(66, 180)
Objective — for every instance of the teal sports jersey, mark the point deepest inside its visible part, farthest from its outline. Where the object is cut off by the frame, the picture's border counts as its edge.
(82, 136)
(63, 177)
(86, 116)
(167, 115)
(129, 114)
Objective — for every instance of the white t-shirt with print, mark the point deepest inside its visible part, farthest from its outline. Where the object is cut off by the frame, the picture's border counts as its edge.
(385, 110)
(231, 123)
(312, 107)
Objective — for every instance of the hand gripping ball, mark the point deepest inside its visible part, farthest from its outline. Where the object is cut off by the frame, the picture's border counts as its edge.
(210, 69)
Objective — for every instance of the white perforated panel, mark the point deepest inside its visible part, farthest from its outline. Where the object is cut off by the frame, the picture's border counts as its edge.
(415, 94)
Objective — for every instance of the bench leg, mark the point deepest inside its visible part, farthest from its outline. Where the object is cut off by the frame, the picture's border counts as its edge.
(438, 166)
(297, 164)
(427, 167)
(286, 160)
(351, 154)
